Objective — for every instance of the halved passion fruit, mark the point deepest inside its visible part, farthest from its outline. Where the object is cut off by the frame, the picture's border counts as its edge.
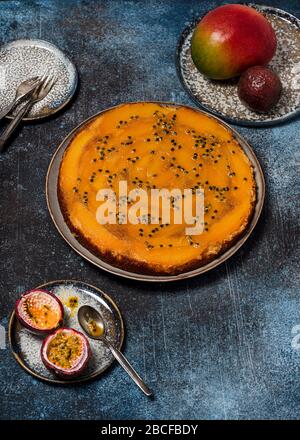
(66, 352)
(40, 311)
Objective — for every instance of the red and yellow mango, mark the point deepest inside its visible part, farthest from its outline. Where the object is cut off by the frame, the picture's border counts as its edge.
(231, 38)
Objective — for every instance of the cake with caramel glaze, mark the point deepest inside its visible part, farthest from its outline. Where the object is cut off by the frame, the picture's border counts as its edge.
(152, 145)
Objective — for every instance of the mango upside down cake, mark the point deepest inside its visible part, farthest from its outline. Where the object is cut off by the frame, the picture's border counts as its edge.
(152, 145)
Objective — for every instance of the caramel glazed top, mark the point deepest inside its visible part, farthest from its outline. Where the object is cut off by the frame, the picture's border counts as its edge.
(150, 146)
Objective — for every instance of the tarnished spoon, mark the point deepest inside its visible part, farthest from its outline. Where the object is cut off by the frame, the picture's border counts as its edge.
(93, 325)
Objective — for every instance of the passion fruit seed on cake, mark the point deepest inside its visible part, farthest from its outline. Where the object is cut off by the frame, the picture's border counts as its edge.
(154, 146)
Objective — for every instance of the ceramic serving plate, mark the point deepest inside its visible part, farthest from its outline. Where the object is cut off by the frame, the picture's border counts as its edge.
(62, 227)
(26, 346)
(221, 98)
(24, 59)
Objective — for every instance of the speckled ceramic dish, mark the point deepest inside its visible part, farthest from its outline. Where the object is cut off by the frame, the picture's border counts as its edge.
(23, 59)
(66, 233)
(26, 346)
(221, 98)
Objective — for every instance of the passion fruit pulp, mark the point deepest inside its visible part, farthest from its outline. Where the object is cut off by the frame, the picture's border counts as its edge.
(66, 352)
(39, 311)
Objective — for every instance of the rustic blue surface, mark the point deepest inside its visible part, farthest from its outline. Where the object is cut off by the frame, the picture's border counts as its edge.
(215, 347)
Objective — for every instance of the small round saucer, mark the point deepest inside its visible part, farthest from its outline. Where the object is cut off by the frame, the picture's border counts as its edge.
(24, 59)
(220, 97)
(26, 346)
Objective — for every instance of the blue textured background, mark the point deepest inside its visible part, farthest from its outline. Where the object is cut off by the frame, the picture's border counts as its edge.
(217, 346)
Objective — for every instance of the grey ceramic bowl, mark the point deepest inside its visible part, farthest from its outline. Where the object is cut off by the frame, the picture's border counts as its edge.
(26, 346)
(24, 59)
(220, 97)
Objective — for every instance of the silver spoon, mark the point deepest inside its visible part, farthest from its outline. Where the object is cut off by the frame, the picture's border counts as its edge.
(92, 323)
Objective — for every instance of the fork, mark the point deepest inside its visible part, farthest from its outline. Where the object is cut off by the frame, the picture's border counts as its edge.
(23, 90)
(39, 93)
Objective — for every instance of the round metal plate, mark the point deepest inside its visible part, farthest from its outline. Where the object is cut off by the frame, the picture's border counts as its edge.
(24, 59)
(220, 97)
(26, 346)
(63, 229)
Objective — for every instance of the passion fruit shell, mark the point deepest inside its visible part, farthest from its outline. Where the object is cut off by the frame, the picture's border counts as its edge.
(40, 311)
(66, 352)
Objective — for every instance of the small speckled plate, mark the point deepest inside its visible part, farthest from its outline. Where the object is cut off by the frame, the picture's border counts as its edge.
(220, 97)
(26, 346)
(23, 59)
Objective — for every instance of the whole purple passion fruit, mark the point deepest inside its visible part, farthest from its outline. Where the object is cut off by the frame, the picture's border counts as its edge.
(66, 352)
(259, 88)
(39, 311)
